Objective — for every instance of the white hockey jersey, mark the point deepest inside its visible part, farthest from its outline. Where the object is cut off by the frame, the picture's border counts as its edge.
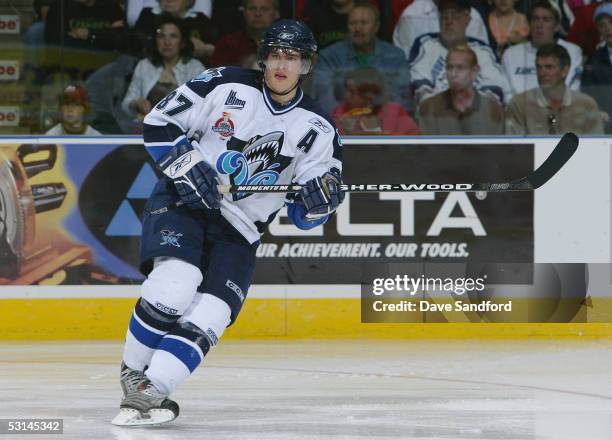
(520, 68)
(247, 138)
(422, 17)
(428, 68)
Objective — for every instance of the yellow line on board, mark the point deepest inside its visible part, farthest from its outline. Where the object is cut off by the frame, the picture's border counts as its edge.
(107, 318)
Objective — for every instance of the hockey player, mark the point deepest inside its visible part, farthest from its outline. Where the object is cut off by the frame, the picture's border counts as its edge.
(226, 126)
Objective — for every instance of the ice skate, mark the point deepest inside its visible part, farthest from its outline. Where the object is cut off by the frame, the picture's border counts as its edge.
(146, 405)
(129, 379)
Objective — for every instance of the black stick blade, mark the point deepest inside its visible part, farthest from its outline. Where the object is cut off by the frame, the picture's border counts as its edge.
(566, 147)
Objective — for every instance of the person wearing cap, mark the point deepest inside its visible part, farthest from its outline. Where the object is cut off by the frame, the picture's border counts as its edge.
(74, 108)
(428, 56)
(598, 71)
(553, 107)
(519, 60)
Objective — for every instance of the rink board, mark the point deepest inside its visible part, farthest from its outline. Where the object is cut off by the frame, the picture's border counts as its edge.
(571, 225)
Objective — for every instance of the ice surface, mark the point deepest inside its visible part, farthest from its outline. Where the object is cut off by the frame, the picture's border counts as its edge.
(272, 390)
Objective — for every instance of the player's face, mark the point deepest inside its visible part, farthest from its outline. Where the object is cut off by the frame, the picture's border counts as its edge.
(283, 69)
(453, 24)
(543, 26)
(550, 73)
(604, 26)
(169, 41)
(73, 113)
(259, 14)
(459, 71)
(362, 26)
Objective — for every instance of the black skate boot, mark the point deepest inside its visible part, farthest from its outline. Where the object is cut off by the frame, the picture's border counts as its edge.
(146, 405)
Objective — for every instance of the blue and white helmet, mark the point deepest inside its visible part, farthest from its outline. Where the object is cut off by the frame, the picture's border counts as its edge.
(291, 35)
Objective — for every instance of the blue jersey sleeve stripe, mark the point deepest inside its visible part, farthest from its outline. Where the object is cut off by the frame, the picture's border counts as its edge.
(159, 139)
(156, 134)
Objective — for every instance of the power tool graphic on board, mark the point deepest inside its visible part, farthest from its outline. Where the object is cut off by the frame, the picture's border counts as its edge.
(21, 201)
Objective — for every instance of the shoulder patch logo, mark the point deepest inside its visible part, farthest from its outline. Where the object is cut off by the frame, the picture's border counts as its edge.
(209, 74)
(320, 125)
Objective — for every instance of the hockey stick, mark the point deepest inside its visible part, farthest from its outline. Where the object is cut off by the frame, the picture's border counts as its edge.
(564, 150)
(561, 154)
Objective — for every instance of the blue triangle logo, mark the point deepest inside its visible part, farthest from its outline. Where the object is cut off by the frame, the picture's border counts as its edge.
(143, 184)
(125, 222)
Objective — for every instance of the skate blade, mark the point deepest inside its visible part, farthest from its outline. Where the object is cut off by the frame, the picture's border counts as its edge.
(133, 417)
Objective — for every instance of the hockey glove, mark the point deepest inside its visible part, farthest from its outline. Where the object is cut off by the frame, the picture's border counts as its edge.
(322, 195)
(194, 179)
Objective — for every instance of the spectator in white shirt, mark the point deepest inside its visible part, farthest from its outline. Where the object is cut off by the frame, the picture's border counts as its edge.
(519, 60)
(74, 108)
(422, 17)
(135, 7)
(169, 65)
(428, 56)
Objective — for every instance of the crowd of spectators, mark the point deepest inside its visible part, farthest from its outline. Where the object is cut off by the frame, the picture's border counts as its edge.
(392, 67)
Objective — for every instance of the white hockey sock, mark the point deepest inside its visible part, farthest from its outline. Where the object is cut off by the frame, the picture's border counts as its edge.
(166, 294)
(166, 372)
(182, 349)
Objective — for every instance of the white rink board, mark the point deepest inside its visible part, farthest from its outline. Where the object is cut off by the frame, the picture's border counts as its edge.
(572, 212)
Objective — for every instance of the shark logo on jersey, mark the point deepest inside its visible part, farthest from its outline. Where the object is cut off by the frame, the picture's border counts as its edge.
(170, 237)
(259, 162)
(209, 74)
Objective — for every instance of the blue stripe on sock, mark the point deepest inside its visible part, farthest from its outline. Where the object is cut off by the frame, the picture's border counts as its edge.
(143, 334)
(182, 351)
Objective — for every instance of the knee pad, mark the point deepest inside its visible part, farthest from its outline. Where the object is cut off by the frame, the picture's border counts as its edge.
(210, 314)
(171, 285)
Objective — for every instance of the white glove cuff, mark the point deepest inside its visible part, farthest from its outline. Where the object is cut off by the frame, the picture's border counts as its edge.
(183, 164)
